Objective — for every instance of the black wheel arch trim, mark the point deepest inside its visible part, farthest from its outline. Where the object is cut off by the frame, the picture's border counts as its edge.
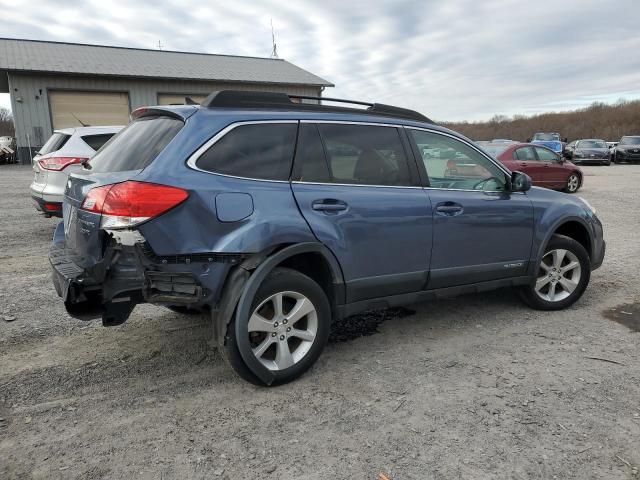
(242, 285)
(552, 231)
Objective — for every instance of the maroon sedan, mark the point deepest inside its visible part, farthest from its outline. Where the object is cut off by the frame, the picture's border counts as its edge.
(545, 167)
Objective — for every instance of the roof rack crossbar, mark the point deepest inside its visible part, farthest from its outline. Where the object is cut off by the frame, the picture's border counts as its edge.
(251, 99)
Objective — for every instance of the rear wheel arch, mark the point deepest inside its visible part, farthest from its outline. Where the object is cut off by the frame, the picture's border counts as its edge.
(303, 257)
(276, 259)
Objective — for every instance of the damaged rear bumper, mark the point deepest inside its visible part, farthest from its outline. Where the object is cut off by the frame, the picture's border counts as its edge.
(125, 277)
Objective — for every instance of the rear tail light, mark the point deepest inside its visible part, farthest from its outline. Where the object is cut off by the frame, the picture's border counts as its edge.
(130, 203)
(52, 207)
(58, 163)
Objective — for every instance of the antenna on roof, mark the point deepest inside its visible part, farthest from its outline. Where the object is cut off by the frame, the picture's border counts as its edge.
(274, 52)
(160, 45)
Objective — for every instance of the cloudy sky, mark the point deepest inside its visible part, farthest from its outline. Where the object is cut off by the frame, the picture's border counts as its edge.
(452, 60)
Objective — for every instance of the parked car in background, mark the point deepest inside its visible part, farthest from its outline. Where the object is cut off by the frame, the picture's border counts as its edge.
(588, 151)
(627, 150)
(545, 167)
(502, 140)
(550, 140)
(62, 154)
(279, 217)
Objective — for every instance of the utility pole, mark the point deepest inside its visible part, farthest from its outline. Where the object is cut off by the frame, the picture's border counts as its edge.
(160, 45)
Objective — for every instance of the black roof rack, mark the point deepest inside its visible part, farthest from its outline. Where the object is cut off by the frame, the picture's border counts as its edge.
(248, 99)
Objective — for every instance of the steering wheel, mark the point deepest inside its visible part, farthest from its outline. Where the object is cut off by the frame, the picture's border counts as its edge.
(484, 181)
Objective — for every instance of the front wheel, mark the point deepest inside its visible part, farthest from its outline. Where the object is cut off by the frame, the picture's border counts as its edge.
(562, 277)
(573, 183)
(287, 329)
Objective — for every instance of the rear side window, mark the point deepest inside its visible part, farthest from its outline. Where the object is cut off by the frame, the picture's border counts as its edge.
(263, 151)
(137, 145)
(365, 155)
(525, 153)
(55, 143)
(98, 140)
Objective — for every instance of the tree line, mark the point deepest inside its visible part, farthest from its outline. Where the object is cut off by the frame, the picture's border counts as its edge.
(599, 120)
(6, 123)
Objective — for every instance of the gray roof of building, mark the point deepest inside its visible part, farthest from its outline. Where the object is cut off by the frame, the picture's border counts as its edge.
(83, 59)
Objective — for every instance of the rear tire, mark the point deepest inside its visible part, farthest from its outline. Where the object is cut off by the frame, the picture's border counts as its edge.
(562, 276)
(288, 328)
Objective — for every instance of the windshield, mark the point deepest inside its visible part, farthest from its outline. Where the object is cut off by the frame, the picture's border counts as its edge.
(137, 145)
(630, 141)
(495, 150)
(592, 144)
(547, 137)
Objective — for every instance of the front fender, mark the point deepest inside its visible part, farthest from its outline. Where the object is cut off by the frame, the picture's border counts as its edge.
(548, 219)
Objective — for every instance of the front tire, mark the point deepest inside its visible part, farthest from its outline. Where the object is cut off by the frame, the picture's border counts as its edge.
(573, 183)
(287, 329)
(562, 276)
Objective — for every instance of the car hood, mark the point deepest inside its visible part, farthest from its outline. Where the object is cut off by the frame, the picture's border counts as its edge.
(554, 145)
(592, 151)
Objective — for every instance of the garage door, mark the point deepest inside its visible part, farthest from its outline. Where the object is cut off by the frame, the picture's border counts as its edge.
(73, 109)
(178, 98)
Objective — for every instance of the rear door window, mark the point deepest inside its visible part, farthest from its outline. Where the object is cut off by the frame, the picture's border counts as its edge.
(365, 155)
(98, 140)
(55, 143)
(262, 151)
(525, 154)
(137, 145)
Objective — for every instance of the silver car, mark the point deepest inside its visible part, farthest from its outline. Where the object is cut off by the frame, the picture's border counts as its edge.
(64, 153)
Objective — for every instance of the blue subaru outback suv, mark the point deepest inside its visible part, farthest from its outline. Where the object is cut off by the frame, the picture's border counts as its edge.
(278, 217)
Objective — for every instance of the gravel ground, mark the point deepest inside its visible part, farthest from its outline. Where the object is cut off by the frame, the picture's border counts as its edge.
(475, 387)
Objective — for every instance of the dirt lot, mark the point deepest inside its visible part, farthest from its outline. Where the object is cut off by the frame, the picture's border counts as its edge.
(474, 387)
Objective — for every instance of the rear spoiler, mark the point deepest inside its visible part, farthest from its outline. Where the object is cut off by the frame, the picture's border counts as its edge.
(181, 113)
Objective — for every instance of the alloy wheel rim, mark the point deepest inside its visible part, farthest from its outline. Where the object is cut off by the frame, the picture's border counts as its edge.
(282, 329)
(559, 275)
(574, 182)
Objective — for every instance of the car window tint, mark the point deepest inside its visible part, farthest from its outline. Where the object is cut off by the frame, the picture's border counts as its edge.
(365, 155)
(98, 140)
(55, 143)
(545, 155)
(310, 156)
(525, 154)
(137, 145)
(453, 164)
(263, 151)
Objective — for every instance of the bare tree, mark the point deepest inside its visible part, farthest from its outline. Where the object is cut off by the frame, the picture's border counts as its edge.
(6, 123)
(599, 120)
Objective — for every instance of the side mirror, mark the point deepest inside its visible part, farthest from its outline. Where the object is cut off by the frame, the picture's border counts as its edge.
(528, 140)
(520, 182)
(564, 139)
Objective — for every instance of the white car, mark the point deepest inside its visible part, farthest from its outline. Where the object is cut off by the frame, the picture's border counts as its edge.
(64, 153)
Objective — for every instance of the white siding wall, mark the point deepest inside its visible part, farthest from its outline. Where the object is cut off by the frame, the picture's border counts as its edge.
(33, 110)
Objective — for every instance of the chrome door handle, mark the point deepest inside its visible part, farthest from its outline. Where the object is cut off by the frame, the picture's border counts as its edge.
(450, 209)
(329, 206)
